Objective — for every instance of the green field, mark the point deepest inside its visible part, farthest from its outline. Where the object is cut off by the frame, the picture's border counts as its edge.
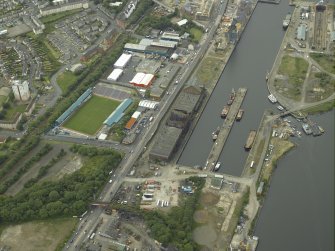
(295, 68)
(65, 80)
(197, 34)
(38, 235)
(89, 118)
(327, 62)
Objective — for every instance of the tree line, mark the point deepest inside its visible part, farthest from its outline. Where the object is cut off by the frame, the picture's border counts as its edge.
(65, 197)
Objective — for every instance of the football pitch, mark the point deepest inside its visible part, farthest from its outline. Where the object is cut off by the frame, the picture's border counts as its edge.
(89, 118)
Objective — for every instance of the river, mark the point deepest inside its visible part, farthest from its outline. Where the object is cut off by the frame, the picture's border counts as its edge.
(298, 213)
(247, 67)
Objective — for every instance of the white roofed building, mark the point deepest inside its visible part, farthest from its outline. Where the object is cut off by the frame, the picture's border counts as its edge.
(137, 78)
(142, 80)
(122, 61)
(148, 104)
(136, 115)
(115, 74)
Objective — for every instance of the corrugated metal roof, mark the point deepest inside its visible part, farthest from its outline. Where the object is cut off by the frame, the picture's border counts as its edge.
(131, 122)
(137, 78)
(122, 60)
(136, 115)
(164, 43)
(137, 47)
(148, 104)
(301, 34)
(74, 106)
(147, 79)
(116, 73)
(118, 112)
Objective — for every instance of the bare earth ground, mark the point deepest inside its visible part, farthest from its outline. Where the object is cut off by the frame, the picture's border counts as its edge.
(36, 236)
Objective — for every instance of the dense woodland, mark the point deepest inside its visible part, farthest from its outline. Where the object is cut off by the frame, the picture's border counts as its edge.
(65, 197)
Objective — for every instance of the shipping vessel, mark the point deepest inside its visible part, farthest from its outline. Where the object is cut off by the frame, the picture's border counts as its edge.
(239, 114)
(250, 140)
(217, 166)
(306, 128)
(224, 111)
(286, 21)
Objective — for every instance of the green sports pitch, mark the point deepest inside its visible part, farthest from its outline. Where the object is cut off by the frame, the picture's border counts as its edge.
(89, 118)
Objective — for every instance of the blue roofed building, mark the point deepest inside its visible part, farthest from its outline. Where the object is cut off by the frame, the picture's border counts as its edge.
(117, 114)
(82, 99)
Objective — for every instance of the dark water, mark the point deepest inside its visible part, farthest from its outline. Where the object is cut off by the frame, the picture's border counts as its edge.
(298, 213)
(247, 67)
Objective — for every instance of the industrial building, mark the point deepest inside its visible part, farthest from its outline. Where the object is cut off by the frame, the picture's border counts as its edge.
(177, 123)
(21, 90)
(115, 74)
(132, 121)
(301, 32)
(142, 80)
(122, 61)
(148, 104)
(82, 99)
(118, 112)
(166, 143)
(163, 47)
(171, 36)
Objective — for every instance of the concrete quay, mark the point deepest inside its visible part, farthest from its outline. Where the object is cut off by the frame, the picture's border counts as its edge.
(225, 129)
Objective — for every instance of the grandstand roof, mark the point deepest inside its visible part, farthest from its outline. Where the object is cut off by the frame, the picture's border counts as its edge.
(148, 104)
(115, 74)
(74, 106)
(122, 61)
(118, 112)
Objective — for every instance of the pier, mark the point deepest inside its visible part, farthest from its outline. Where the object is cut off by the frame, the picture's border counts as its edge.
(225, 129)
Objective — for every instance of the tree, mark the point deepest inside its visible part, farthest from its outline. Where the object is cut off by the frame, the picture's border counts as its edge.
(53, 196)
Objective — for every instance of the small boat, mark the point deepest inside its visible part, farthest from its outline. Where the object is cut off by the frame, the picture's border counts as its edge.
(239, 114)
(224, 111)
(321, 129)
(307, 129)
(280, 108)
(217, 166)
(232, 97)
(272, 98)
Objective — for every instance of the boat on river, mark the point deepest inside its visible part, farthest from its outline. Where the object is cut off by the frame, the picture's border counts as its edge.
(250, 140)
